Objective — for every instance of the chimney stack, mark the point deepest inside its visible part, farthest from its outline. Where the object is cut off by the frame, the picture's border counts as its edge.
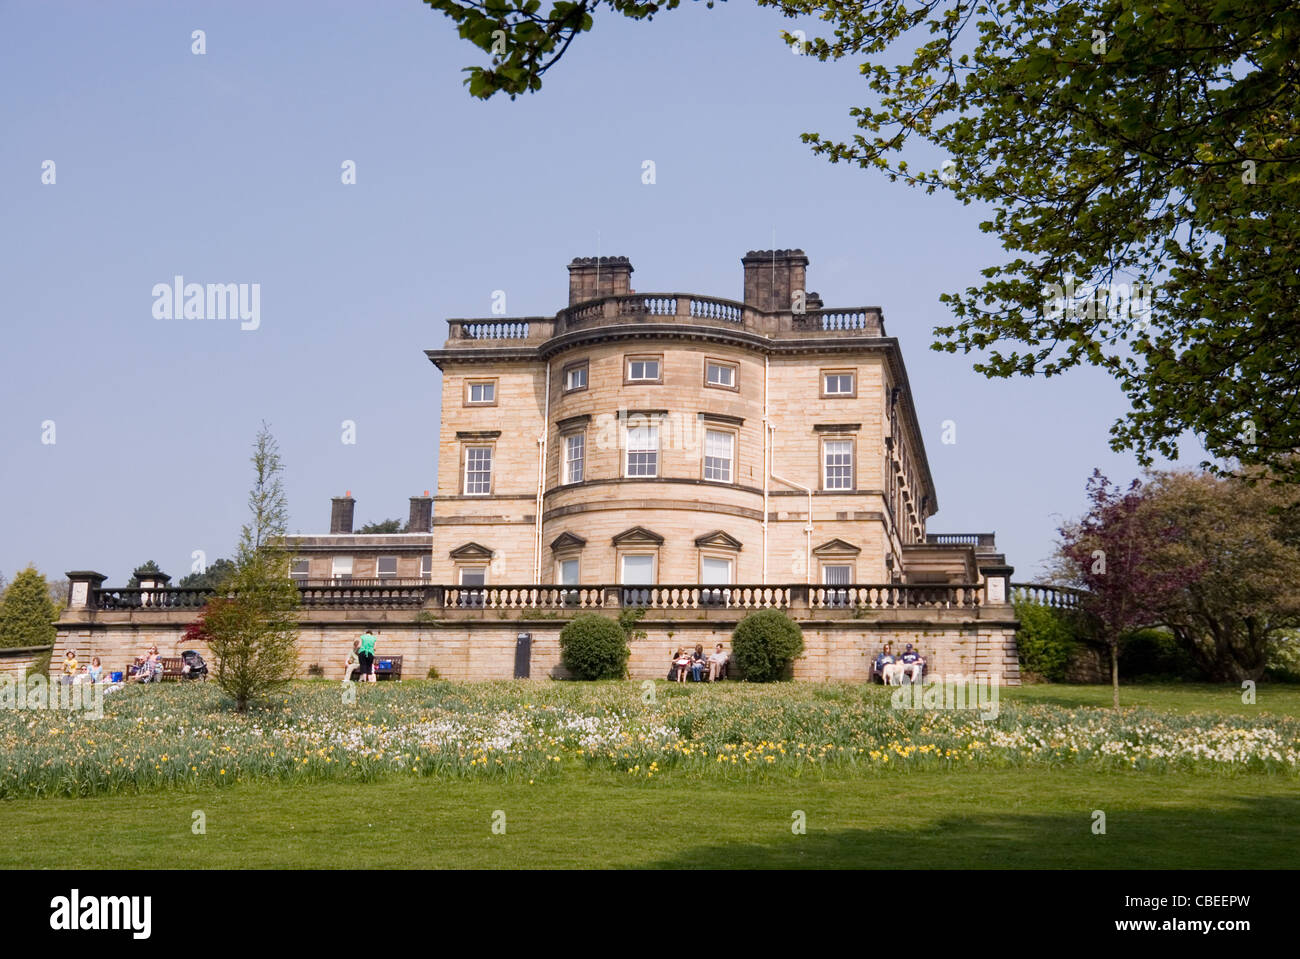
(772, 277)
(591, 277)
(341, 510)
(421, 520)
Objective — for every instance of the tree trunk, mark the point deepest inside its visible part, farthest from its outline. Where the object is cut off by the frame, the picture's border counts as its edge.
(1114, 673)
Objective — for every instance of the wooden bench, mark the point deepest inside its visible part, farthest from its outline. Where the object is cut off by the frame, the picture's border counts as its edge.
(875, 676)
(704, 678)
(173, 669)
(391, 671)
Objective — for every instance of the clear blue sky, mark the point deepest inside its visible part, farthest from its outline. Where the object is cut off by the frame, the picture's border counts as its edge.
(226, 168)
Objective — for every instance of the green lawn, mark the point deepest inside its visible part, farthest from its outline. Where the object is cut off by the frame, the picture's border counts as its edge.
(1279, 699)
(1023, 818)
(277, 790)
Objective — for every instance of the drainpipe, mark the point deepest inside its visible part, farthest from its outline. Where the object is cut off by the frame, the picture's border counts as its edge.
(541, 477)
(767, 468)
(808, 527)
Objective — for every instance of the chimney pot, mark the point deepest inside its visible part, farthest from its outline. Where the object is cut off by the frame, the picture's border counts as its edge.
(341, 512)
(591, 277)
(772, 277)
(421, 519)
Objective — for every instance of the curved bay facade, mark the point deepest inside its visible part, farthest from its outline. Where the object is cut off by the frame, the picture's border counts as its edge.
(675, 438)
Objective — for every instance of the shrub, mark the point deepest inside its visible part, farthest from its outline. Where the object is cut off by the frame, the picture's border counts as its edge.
(1283, 664)
(1155, 653)
(27, 616)
(433, 673)
(316, 669)
(593, 647)
(1046, 640)
(765, 644)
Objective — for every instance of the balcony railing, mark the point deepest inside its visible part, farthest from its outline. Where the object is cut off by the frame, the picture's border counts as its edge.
(960, 539)
(1048, 594)
(901, 596)
(415, 595)
(663, 307)
(159, 598)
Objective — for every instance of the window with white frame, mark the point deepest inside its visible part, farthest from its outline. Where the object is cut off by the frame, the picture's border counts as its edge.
(715, 571)
(837, 471)
(721, 374)
(837, 574)
(568, 572)
(300, 568)
(470, 577)
(575, 450)
(426, 566)
(638, 569)
(838, 383)
(482, 392)
(575, 378)
(386, 567)
(643, 450)
(643, 369)
(478, 470)
(719, 453)
(341, 569)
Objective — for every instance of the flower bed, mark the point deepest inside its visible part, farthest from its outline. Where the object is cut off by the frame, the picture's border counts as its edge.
(183, 736)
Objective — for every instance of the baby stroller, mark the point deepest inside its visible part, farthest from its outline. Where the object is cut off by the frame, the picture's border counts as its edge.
(193, 666)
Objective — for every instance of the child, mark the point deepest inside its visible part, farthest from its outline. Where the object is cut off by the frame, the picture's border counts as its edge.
(69, 667)
(354, 660)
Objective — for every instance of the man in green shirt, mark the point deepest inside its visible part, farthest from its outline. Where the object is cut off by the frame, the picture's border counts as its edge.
(366, 657)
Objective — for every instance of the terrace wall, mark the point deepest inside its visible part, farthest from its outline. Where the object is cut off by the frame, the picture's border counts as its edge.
(480, 644)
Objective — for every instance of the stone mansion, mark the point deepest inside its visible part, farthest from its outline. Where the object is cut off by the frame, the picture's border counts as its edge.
(695, 455)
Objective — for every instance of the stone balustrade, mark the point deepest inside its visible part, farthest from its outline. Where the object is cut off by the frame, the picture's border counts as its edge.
(686, 308)
(380, 594)
(1048, 594)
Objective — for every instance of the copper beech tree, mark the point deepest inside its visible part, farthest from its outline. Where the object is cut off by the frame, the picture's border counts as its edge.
(1116, 552)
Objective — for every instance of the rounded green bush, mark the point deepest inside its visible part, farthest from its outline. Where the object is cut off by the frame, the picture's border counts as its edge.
(765, 644)
(593, 647)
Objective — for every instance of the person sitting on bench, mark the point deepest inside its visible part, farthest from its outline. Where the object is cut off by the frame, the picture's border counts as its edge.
(884, 665)
(698, 663)
(682, 663)
(912, 664)
(717, 664)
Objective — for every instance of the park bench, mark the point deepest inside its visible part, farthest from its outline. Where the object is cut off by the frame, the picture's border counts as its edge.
(722, 673)
(875, 676)
(386, 667)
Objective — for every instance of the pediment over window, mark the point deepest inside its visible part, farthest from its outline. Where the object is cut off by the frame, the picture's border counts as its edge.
(718, 539)
(837, 547)
(638, 536)
(471, 551)
(567, 541)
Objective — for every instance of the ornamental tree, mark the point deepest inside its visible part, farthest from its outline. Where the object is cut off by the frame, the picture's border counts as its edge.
(1118, 552)
(253, 630)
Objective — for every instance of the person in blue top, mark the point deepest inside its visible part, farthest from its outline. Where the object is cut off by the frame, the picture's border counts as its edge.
(913, 664)
(884, 665)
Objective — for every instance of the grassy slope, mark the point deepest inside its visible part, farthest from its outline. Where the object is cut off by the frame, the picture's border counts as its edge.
(972, 818)
(1179, 698)
(1032, 818)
